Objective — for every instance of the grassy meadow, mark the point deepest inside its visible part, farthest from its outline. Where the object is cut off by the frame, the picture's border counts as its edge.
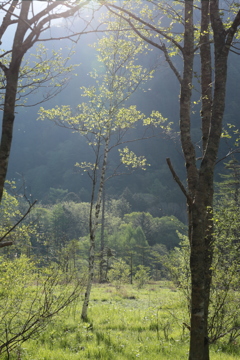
(124, 324)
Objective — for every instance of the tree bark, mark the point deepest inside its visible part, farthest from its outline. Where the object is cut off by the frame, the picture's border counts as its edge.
(91, 262)
(103, 263)
(202, 225)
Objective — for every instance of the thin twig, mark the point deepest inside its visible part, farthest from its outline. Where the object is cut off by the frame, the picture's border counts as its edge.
(15, 225)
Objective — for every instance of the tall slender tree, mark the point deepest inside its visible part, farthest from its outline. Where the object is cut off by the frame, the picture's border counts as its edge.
(174, 29)
(105, 121)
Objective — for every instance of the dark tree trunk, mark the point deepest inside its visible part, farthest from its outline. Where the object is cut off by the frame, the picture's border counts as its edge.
(199, 192)
(202, 225)
(12, 75)
(29, 26)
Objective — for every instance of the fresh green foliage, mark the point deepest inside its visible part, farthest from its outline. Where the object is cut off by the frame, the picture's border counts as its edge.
(178, 266)
(157, 230)
(142, 276)
(62, 230)
(41, 71)
(105, 117)
(129, 159)
(224, 310)
(128, 239)
(119, 273)
(12, 209)
(30, 297)
(57, 228)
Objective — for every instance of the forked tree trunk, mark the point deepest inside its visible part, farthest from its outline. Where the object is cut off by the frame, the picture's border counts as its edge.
(202, 226)
(200, 180)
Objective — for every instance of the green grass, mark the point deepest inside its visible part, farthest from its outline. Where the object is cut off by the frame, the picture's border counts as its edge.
(123, 325)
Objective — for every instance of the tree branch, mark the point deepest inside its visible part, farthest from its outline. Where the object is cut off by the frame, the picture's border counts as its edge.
(231, 152)
(233, 29)
(40, 27)
(178, 181)
(7, 19)
(8, 243)
(131, 15)
(153, 43)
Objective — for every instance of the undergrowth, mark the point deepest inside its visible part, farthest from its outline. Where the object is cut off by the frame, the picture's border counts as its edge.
(124, 324)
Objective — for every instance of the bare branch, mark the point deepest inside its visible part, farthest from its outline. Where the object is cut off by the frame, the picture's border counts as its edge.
(231, 152)
(16, 224)
(178, 181)
(34, 35)
(7, 19)
(6, 243)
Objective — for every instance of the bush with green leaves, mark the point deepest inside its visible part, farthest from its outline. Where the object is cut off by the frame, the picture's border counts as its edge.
(224, 308)
(13, 230)
(30, 297)
(178, 265)
(225, 296)
(142, 276)
(119, 274)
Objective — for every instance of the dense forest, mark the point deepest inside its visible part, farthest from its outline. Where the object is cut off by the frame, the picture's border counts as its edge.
(104, 185)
